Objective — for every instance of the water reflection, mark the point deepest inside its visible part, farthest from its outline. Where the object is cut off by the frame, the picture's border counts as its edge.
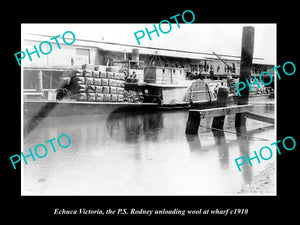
(133, 125)
(222, 146)
(193, 141)
(243, 142)
(140, 153)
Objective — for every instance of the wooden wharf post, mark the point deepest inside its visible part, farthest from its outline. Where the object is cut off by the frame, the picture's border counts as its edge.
(222, 100)
(242, 109)
(245, 71)
(193, 122)
(195, 115)
(218, 121)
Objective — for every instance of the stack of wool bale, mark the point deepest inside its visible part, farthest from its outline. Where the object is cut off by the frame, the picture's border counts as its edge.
(231, 85)
(96, 84)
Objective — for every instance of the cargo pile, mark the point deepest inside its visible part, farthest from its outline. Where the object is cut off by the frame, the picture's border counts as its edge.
(231, 85)
(133, 96)
(97, 83)
(197, 91)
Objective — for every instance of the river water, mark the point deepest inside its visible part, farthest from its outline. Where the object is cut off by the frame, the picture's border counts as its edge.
(143, 154)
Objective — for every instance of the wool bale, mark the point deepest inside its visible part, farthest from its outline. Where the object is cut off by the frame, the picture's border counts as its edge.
(97, 81)
(119, 76)
(106, 97)
(105, 90)
(112, 90)
(90, 97)
(89, 80)
(95, 74)
(99, 97)
(99, 89)
(104, 82)
(119, 83)
(116, 83)
(110, 75)
(102, 74)
(120, 91)
(116, 76)
(114, 98)
(112, 82)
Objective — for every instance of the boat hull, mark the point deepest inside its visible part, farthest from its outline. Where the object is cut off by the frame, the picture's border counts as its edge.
(64, 108)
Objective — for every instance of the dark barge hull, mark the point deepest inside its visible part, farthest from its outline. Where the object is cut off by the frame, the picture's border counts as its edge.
(42, 108)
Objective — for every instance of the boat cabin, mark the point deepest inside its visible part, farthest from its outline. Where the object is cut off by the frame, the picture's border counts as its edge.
(164, 75)
(133, 69)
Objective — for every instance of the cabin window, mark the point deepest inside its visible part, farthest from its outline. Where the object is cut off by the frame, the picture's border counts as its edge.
(163, 70)
(173, 71)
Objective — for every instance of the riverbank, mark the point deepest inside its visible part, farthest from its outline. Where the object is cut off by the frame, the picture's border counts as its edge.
(262, 183)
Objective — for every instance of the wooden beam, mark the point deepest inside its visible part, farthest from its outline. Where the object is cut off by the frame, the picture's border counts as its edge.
(223, 111)
(260, 118)
(260, 130)
(193, 122)
(222, 100)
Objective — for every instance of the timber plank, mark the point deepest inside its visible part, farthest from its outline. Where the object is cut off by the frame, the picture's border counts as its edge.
(223, 111)
(260, 118)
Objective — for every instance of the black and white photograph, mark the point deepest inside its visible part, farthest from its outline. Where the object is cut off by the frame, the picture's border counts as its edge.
(175, 108)
(146, 111)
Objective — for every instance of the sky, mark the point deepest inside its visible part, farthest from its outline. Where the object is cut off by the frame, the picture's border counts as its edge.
(220, 38)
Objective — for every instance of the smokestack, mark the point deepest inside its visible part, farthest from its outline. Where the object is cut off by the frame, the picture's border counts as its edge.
(135, 54)
(124, 54)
